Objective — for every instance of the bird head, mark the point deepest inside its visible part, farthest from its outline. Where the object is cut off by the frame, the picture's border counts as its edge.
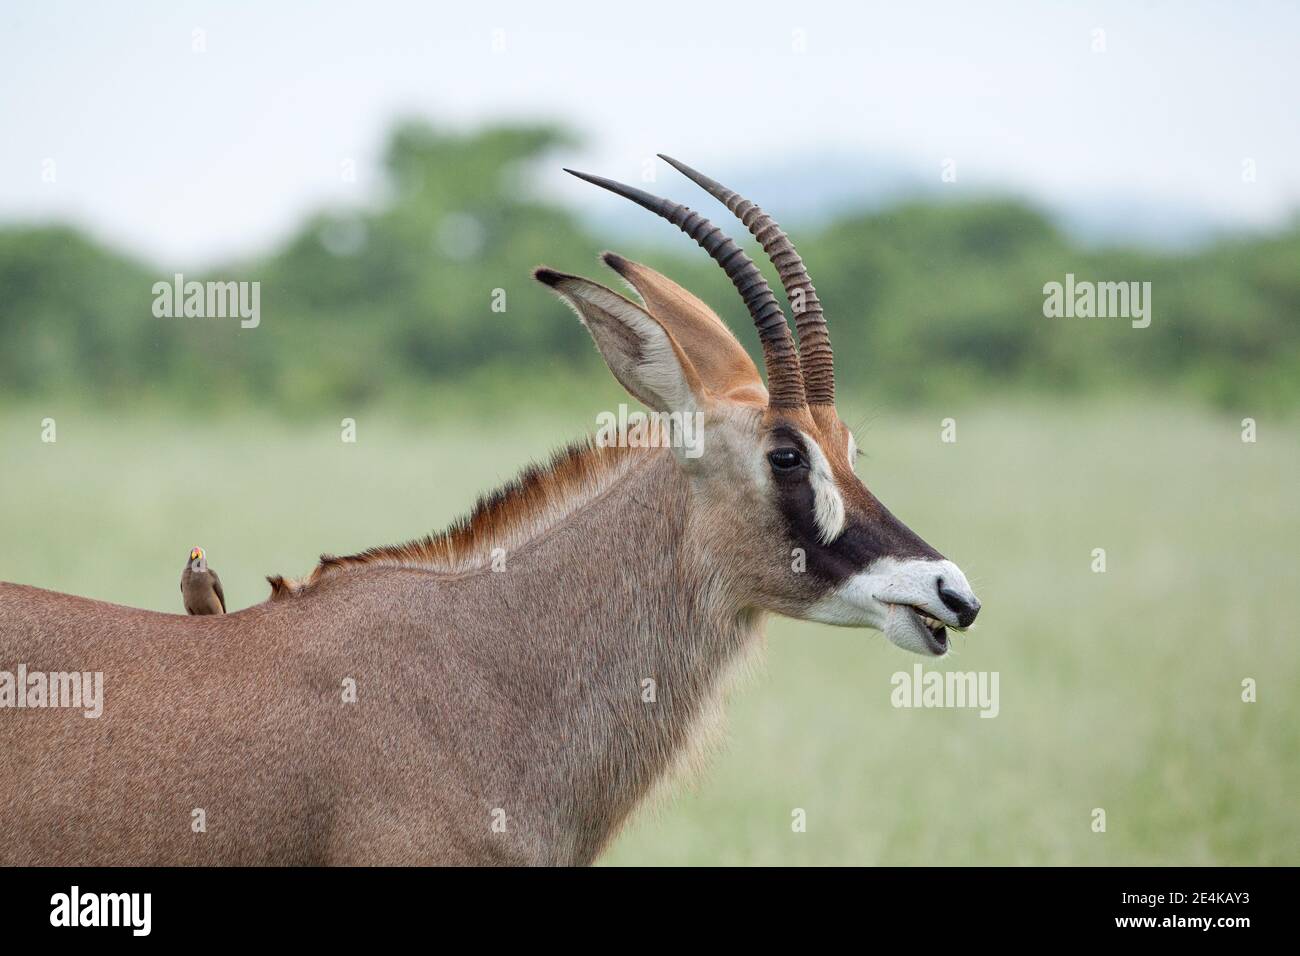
(198, 556)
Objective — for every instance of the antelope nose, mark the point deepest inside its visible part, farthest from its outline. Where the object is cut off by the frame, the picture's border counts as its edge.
(962, 603)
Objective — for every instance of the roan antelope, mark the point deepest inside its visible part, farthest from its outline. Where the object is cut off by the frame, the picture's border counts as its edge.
(498, 717)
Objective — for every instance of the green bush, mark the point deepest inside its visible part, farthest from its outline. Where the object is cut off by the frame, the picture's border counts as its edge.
(924, 300)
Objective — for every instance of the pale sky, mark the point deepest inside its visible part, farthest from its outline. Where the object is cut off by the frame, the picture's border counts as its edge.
(187, 156)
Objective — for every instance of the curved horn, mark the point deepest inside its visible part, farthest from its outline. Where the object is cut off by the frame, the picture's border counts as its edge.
(814, 339)
(784, 376)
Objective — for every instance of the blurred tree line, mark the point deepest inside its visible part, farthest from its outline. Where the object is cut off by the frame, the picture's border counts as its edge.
(924, 300)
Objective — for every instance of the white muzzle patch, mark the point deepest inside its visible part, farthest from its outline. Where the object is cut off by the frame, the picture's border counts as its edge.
(897, 597)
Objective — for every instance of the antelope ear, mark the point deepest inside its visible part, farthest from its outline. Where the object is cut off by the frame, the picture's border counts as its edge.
(641, 353)
(724, 366)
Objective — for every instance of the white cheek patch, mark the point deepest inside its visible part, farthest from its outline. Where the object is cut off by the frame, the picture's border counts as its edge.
(853, 452)
(828, 503)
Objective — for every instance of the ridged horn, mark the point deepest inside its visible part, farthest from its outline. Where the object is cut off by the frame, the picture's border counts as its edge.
(784, 376)
(815, 355)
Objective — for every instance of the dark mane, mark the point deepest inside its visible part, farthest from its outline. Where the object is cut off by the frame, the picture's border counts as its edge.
(539, 497)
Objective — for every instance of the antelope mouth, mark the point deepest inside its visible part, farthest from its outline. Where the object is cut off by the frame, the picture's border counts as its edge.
(933, 631)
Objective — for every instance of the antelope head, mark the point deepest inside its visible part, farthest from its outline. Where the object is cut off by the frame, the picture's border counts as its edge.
(774, 498)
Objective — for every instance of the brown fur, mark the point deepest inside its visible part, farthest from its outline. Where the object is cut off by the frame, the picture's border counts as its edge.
(499, 713)
(708, 343)
(502, 519)
(477, 691)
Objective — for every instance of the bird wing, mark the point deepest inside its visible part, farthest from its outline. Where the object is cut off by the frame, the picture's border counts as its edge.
(216, 586)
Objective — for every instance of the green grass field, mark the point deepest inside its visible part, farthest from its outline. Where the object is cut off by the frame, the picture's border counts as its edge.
(1119, 690)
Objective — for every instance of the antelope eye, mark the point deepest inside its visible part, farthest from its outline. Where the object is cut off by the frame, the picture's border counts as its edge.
(785, 459)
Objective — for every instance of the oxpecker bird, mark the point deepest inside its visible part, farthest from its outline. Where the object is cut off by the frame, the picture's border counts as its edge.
(200, 586)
